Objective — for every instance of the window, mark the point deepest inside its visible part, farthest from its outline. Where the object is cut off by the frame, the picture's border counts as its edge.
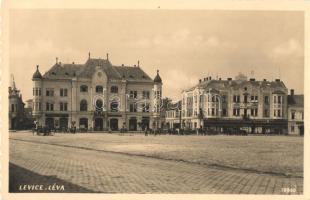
(236, 99)
(63, 92)
(133, 107)
(279, 113)
(12, 108)
(146, 108)
(292, 128)
(224, 99)
(114, 106)
(99, 89)
(254, 112)
(266, 99)
(254, 98)
(266, 113)
(212, 111)
(114, 89)
(49, 92)
(245, 99)
(279, 99)
(146, 94)
(63, 106)
(99, 105)
(133, 94)
(83, 105)
(83, 88)
(293, 115)
(49, 106)
(236, 112)
(274, 99)
(36, 91)
(224, 112)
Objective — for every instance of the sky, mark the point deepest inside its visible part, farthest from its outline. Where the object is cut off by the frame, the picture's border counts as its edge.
(184, 45)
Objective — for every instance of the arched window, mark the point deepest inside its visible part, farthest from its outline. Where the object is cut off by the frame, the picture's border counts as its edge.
(83, 105)
(114, 106)
(83, 88)
(99, 105)
(99, 89)
(114, 89)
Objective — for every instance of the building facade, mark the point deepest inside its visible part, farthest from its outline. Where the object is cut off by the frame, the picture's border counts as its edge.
(16, 108)
(173, 115)
(227, 105)
(97, 96)
(295, 114)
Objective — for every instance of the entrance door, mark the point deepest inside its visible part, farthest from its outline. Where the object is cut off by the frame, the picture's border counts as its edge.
(133, 124)
(145, 123)
(83, 123)
(49, 122)
(63, 123)
(114, 124)
(98, 124)
(13, 123)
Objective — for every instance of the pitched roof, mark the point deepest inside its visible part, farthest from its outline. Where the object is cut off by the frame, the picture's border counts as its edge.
(132, 73)
(236, 84)
(295, 100)
(68, 71)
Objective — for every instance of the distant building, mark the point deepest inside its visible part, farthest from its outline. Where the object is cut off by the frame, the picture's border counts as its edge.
(97, 96)
(16, 108)
(295, 114)
(173, 115)
(227, 105)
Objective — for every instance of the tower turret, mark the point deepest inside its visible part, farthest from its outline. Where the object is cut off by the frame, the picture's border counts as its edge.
(157, 100)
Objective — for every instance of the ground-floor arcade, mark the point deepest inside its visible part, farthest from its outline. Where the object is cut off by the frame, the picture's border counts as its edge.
(99, 122)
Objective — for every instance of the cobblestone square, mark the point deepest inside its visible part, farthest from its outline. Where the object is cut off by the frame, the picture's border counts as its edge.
(134, 163)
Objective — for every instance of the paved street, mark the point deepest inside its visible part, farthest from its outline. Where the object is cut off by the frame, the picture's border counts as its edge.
(81, 169)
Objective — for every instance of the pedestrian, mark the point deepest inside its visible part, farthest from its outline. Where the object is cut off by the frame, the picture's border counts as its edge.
(146, 131)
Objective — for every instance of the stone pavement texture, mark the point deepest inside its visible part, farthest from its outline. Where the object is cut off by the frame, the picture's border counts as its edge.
(88, 170)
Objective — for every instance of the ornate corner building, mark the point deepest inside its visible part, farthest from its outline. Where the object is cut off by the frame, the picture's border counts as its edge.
(97, 96)
(240, 104)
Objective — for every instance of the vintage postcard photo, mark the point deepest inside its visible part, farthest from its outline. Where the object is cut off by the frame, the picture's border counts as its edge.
(155, 101)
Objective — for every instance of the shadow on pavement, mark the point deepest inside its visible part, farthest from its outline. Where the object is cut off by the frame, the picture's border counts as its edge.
(22, 180)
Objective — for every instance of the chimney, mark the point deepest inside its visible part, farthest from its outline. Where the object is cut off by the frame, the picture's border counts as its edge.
(73, 62)
(209, 77)
(56, 60)
(292, 92)
(88, 55)
(107, 56)
(229, 79)
(220, 79)
(277, 80)
(264, 79)
(122, 65)
(252, 79)
(138, 63)
(199, 80)
(135, 65)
